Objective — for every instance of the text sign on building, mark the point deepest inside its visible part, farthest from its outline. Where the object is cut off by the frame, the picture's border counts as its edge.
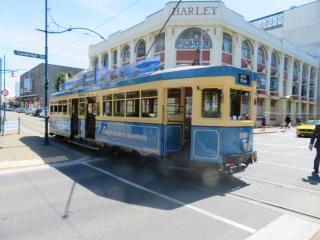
(207, 10)
(29, 54)
(244, 79)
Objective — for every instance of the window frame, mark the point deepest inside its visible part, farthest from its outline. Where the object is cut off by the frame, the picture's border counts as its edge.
(218, 114)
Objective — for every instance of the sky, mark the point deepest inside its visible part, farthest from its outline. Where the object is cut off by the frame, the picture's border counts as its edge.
(19, 20)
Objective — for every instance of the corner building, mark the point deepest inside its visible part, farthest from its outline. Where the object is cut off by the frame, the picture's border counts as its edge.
(209, 33)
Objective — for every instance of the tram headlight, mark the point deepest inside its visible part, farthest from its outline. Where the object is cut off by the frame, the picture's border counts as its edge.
(245, 146)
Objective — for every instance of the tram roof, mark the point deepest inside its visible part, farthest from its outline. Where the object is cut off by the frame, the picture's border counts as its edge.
(166, 74)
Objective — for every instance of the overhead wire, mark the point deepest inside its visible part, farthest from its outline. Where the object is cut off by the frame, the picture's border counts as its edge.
(100, 25)
(164, 25)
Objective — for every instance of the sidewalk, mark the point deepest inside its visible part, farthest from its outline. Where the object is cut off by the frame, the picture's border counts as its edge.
(268, 130)
(27, 150)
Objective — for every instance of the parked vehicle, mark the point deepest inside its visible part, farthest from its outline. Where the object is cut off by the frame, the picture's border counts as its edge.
(9, 108)
(20, 110)
(42, 114)
(30, 111)
(37, 112)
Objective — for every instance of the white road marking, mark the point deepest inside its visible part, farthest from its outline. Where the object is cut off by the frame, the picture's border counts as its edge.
(286, 227)
(278, 145)
(278, 184)
(286, 166)
(176, 201)
(285, 154)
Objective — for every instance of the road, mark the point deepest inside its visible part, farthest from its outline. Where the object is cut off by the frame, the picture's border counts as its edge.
(111, 198)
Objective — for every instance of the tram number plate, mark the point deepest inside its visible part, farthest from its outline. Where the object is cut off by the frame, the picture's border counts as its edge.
(244, 79)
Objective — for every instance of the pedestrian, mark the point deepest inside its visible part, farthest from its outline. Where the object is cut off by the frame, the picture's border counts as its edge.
(263, 123)
(316, 145)
(288, 121)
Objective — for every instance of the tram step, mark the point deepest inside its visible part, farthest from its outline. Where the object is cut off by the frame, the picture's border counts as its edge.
(84, 145)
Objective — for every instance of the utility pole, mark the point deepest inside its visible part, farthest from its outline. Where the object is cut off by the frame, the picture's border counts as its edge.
(46, 135)
(1, 95)
(4, 87)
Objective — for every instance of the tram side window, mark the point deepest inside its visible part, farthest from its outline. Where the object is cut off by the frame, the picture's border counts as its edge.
(82, 106)
(173, 105)
(133, 99)
(239, 105)
(55, 108)
(60, 107)
(64, 107)
(119, 103)
(149, 103)
(107, 105)
(51, 109)
(211, 103)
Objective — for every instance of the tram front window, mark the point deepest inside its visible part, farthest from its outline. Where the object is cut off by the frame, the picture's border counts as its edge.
(239, 105)
(211, 102)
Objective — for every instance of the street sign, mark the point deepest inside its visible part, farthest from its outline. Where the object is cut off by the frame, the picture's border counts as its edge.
(29, 54)
(5, 92)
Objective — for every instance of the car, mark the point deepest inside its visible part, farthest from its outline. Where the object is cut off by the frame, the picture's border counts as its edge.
(20, 110)
(37, 112)
(42, 114)
(306, 129)
(30, 111)
(9, 108)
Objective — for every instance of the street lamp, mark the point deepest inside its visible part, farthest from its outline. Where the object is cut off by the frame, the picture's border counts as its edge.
(46, 135)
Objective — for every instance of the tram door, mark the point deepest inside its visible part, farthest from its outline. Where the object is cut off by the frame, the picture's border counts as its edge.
(74, 118)
(178, 120)
(187, 116)
(91, 118)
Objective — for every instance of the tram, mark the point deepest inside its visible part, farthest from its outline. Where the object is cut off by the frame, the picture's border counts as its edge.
(188, 116)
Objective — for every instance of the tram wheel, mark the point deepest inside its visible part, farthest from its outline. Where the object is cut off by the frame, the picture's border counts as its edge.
(209, 177)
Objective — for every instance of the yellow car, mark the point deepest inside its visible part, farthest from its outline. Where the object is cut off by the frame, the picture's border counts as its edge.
(306, 129)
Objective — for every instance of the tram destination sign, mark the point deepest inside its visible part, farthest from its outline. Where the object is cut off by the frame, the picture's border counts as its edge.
(244, 79)
(29, 54)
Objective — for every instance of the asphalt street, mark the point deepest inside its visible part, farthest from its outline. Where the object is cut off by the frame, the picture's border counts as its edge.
(112, 198)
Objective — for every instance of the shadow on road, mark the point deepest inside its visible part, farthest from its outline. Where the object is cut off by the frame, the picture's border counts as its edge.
(186, 188)
(57, 151)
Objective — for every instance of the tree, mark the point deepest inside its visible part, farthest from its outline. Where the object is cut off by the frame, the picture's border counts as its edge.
(63, 76)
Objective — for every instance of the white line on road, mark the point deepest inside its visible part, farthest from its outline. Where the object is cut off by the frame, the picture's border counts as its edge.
(176, 201)
(285, 154)
(286, 166)
(286, 227)
(278, 145)
(279, 184)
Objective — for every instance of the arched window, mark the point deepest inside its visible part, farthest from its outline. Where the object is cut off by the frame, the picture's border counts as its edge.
(191, 39)
(141, 48)
(159, 43)
(125, 54)
(274, 60)
(227, 43)
(96, 69)
(246, 50)
(261, 56)
(105, 60)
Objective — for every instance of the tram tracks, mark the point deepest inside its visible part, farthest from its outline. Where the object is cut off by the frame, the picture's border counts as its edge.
(282, 186)
(221, 189)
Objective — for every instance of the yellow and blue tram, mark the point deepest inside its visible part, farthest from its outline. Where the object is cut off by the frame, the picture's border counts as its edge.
(192, 116)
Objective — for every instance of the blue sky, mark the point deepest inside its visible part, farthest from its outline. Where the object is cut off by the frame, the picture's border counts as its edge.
(20, 18)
